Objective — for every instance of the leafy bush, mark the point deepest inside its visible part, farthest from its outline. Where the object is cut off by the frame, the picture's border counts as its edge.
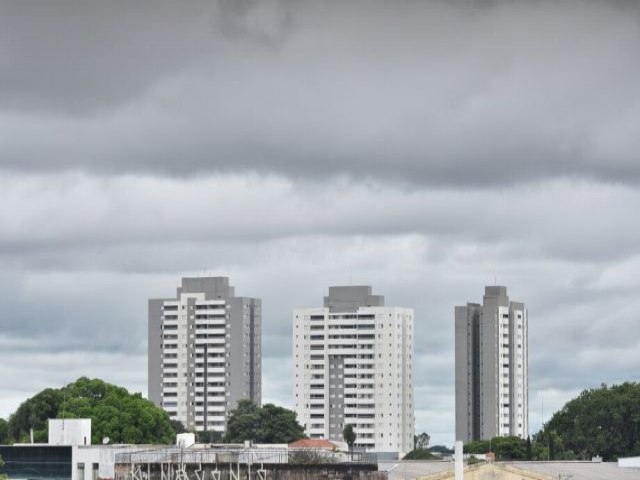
(266, 424)
(420, 454)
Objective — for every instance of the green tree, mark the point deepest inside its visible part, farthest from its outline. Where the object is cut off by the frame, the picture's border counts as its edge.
(178, 426)
(602, 421)
(210, 436)
(114, 413)
(440, 449)
(2, 475)
(420, 454)
(349, 435)
(266, 424)
(421, 441)
(34, 413)
(4, 431)
(505, 448)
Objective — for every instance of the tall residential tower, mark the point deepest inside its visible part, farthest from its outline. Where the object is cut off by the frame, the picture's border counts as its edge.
(204, 352)
(491, 345)
(353, 364)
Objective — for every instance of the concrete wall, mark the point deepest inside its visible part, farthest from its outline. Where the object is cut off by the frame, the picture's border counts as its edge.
(70, 431)
(349, 299)
(489, 472)
(154, 356)
(86, 463)
(467, 373)
(244, 349)
(629, 462)
(100, 457)
(337, 471)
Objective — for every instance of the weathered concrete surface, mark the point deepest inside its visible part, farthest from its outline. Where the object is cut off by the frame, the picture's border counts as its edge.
(489, 472)
(412, 469)
(230, 471)
(513, 471)
(580, 470)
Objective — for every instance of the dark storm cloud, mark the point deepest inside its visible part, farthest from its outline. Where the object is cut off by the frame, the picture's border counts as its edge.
(426, 92)
(72, 57)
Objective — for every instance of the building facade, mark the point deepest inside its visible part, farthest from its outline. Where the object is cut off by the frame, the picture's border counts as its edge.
(491, 349)
(353, 364)
(204, 352)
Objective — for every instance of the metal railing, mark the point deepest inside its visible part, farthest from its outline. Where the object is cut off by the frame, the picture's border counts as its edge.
(213, 455)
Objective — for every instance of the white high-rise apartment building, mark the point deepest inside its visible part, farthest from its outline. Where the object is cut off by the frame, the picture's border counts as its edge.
(204, 352)
(491, 344)
(353, 364)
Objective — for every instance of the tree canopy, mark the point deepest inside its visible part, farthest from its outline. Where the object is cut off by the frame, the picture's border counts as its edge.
(114, 413)
(4, 431)
(505, 448)
(421, 441)
(420, 454)
(420, 448)
(603, 421)
(266, 424)
(349, 435)
(440, 449)
(2, 475)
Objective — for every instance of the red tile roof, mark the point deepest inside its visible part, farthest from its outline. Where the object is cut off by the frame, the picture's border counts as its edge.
(313, 443)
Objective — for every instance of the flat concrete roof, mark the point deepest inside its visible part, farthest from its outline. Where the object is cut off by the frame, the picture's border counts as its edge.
(553, 470)
(580, 470)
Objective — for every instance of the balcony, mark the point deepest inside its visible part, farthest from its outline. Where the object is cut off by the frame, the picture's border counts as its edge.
(212, 370)
(211, 341)
(360, 411)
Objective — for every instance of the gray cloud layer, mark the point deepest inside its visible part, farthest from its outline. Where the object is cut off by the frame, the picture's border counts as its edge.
(423, 147)
(473, 93)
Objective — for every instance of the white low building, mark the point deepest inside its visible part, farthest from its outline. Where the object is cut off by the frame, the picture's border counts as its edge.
(629, 462)
(69, 431)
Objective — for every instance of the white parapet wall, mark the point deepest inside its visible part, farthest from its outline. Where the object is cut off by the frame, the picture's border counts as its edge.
(185, 440)
(70, 431)
(629, 462)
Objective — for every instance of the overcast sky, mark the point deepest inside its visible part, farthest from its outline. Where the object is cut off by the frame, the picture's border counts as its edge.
(426, 148)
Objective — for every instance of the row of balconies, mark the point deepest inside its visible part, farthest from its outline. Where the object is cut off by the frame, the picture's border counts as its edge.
(210, 418)
(359, 411)
(210, 389)
(211, 370)
(199, 348)
(211, 341)
(216, 409)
